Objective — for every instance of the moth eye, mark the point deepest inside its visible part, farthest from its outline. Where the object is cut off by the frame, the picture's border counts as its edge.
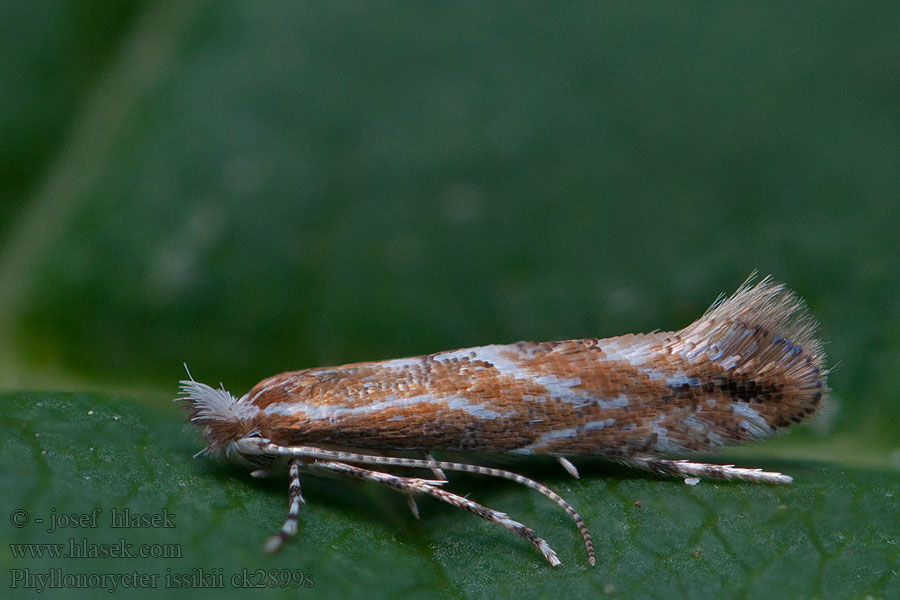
(253, 434)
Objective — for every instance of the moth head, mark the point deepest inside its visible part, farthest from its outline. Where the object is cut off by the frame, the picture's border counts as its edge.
(224, 419)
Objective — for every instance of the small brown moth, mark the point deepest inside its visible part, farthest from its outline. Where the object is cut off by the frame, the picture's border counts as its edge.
(751, 365)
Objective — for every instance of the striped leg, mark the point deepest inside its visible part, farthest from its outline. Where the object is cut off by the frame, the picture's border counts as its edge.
(439, 474)
(264, 447)
(693, 471)
(425, 486)
(295, 499)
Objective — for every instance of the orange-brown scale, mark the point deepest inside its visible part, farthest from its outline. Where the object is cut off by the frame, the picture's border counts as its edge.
(748, 366)
(430, 424)
(653, 404)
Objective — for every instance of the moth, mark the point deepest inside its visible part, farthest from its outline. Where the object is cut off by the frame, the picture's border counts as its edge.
(748, 367)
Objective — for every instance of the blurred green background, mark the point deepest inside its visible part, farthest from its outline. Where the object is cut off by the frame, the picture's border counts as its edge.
(250, 188)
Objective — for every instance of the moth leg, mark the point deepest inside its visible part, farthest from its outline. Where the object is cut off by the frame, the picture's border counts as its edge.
(295, 499)
(412, 485)
(694, 470)
(568, 466)
(438, 473)
(522, 480)
(264, 447)
(411, 500)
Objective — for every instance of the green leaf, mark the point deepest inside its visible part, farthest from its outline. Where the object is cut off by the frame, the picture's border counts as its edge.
(832, 534)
